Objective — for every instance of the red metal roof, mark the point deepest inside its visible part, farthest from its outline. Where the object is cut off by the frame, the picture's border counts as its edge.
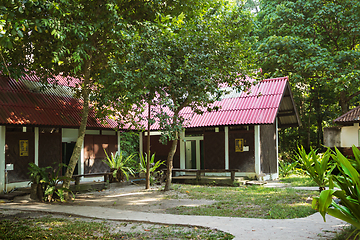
(21, 103)
(259, 105)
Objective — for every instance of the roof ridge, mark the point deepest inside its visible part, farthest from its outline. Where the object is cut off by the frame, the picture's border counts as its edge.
(274, 79)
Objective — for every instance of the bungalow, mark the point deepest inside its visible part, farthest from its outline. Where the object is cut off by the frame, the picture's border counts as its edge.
(241, 135)
(346, 134)
(41, 127)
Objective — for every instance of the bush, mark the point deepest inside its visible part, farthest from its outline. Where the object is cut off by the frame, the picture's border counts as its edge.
(46, 184)
(317, 166)
(348, 180)
(120, 166)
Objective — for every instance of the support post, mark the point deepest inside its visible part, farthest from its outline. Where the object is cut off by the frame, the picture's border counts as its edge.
(232, 176)
(2, 157)
(118, 141)
(257, 150)
(141, 143)
(36, 150)
(198, 175)
(277, 148)
(226, 147)
(182, 150)
(198, 155)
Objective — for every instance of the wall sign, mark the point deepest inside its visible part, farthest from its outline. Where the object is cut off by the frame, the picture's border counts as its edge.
(239, 144)
(24, 148)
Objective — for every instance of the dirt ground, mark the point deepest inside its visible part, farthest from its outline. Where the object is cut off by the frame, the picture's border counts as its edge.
(130, 197)
(136, 198)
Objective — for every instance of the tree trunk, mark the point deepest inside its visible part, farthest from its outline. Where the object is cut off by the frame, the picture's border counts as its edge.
(344, 102)
(169, 163)
(85, 91)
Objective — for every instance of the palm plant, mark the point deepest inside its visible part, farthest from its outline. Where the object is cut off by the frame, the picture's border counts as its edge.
(119, 165)
(286, 168)
(348, 180)
(46, 182)
(318, 167)
(153, 165)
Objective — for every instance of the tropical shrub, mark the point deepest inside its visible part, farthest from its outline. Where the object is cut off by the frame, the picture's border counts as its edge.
(46, 183)
(317, 166)
(153, 166)
(286, 168)
(120, 166)
(348, 181)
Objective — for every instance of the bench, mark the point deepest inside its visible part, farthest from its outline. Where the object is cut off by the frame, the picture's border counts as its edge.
(77, 177)
(199, 171)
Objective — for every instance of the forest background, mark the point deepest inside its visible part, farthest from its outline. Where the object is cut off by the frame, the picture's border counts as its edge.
(313, 42)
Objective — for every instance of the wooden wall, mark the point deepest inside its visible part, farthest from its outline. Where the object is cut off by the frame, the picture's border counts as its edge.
(214, 149)
(94, 154)
(12, 155)
(268, 148)
(161, 151)
(49, 148)
(245, 160)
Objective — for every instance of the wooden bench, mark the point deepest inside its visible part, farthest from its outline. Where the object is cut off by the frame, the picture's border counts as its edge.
(77, 177)
(198, 172)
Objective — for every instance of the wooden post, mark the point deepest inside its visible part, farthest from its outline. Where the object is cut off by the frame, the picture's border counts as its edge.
(198, 175)
(233, 176)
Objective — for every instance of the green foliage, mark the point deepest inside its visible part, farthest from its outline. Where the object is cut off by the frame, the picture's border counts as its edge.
(120, 166)
(153, 166)
(286, 168)
(348, 180)
(49, 180)
(317, 166)
(129, 143)
(179, 61)
(36, 173)
(316, 44)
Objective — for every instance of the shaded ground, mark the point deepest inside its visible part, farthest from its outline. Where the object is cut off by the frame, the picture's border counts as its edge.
(136, 198)
(133, 204)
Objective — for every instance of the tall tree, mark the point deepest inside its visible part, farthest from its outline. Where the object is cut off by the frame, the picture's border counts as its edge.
(316, 43)
(182, 62)
(73, 37)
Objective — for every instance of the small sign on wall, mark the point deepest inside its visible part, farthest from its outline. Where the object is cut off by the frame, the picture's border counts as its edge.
(239, 145)
(24, 148)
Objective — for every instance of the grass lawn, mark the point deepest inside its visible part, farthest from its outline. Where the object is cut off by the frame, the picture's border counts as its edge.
(299, 181)
(247, 202)
(65, 228)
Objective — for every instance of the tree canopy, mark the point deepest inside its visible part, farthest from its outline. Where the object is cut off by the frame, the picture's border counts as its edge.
(177, 62)
(315, 43)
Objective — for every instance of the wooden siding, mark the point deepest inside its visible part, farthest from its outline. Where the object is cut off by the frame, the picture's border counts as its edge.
(214, 150)
(49, 149)
(161, 150)
(94, 146)
(268, 148)
(12, 155)
(244, 161)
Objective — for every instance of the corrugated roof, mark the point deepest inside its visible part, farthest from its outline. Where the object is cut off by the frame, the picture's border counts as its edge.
(353, 116)
(22, 103)
(264, 102)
